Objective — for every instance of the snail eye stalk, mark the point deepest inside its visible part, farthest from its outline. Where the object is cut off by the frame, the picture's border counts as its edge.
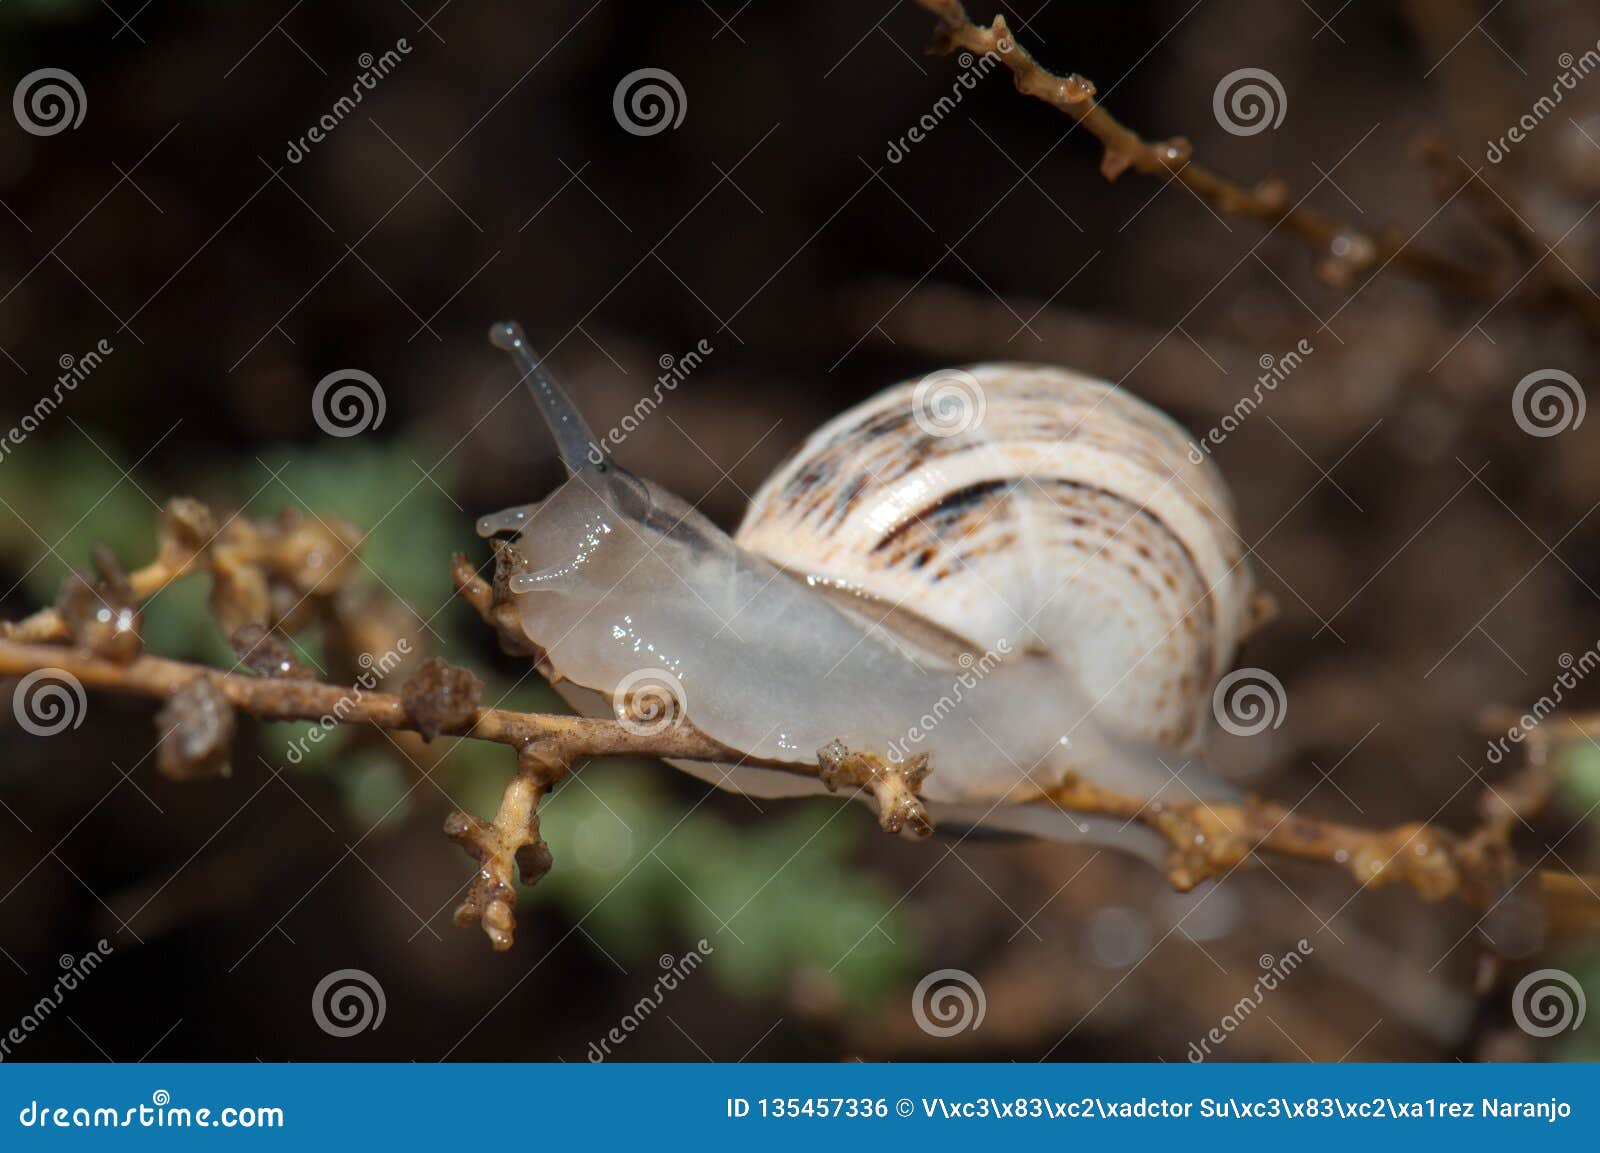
(575, 441)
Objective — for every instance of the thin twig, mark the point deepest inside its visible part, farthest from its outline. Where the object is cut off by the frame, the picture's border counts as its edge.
(306, 700)
(1552, 281)
(1346, 251)
(1207, 839)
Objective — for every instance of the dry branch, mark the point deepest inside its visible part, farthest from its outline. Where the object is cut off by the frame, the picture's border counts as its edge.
(507, 847)
(1345, 251)
(1207, 840)
(1551, 282)
(306, 700)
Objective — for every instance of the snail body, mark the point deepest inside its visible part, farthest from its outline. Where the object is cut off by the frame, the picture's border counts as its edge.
(1015, 569)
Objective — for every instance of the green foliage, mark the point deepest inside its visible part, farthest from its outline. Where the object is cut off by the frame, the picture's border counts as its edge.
(1578, 774)
(411, 525)
(373, 788)
(1578, 782)
(67, 496)
(63, 497)
(1583, 1043)
(775, 899)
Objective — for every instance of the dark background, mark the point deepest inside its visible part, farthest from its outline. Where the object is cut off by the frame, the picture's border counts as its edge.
(487, 176)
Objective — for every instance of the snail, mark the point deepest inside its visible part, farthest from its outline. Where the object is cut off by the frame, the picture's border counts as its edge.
(1015, 569)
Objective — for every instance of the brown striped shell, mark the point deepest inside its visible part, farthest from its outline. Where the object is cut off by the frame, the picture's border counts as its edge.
(1032, 503)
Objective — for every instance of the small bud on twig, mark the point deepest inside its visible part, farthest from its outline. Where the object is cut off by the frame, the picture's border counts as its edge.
(197, 726)
(102, 616)
(266, 654)
(440, 696)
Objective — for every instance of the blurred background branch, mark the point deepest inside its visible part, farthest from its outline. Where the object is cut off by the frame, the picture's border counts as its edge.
(1346, 252)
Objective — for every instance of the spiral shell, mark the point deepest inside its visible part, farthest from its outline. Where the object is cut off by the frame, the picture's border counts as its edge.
(1036, 503)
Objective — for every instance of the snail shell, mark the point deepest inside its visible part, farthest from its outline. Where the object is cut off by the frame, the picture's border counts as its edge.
(980, 502)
